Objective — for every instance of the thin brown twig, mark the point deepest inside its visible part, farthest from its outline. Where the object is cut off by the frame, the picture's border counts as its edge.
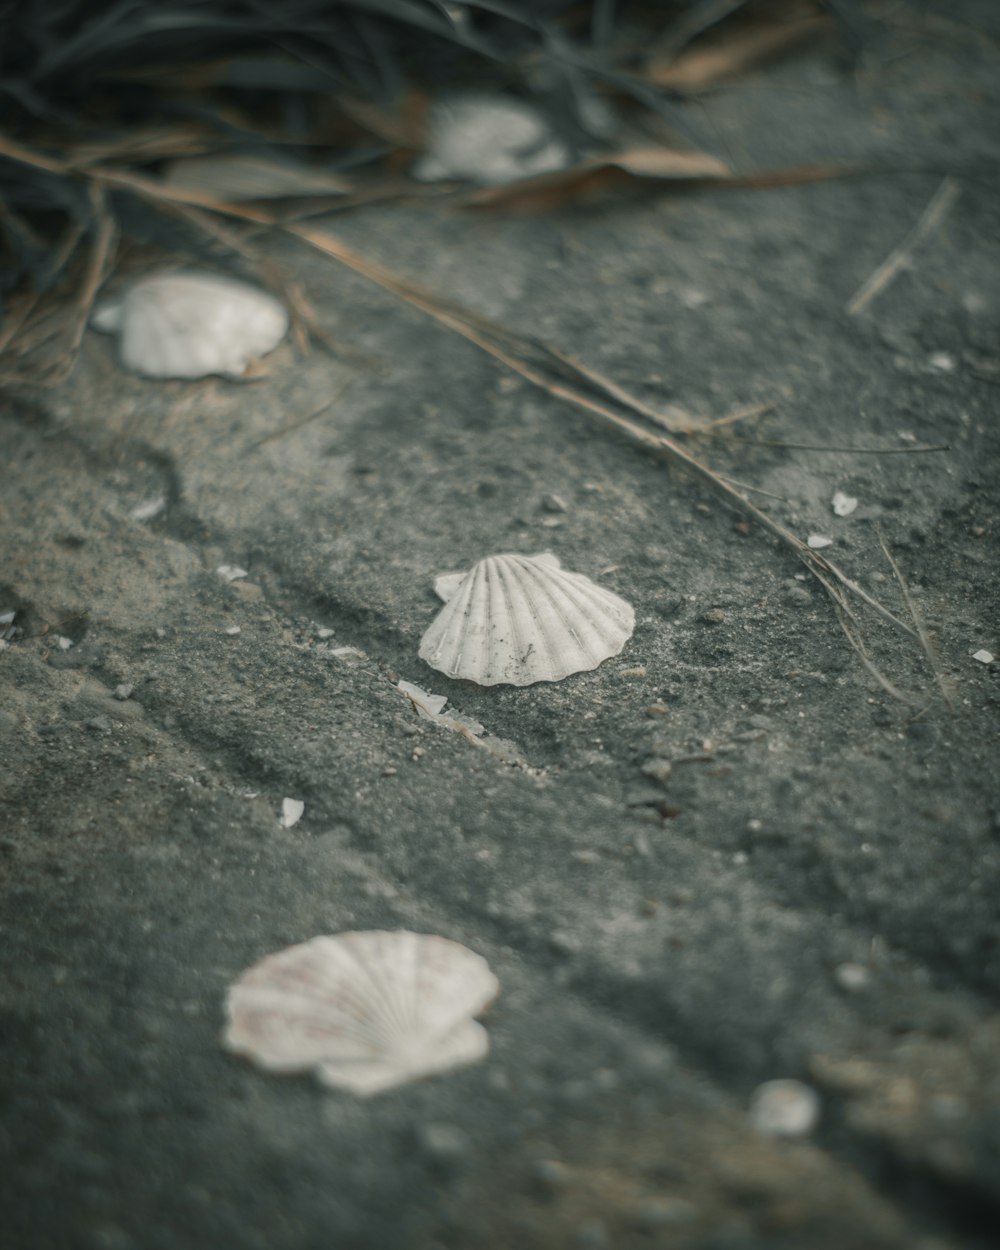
(930, 651)
(898, 259)
(854, 451)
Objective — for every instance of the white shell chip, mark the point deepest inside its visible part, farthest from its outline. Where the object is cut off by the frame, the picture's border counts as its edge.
(515, 620)
(367, 1011)
(784, 1108)
(843, 504)
(190, 325)
(291, 809)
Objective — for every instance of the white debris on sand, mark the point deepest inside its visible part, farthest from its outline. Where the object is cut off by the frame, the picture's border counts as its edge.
(291, 812)
(784, 1108)
(843, 505)
(232, 630)
(151, 508)
(231, 572)
(984, 656)
(352, 655)
(818, 541)
(431, 707)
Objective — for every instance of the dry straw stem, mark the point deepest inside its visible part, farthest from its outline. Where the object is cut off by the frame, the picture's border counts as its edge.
(930, 651)
(552, 371)
(933, 215)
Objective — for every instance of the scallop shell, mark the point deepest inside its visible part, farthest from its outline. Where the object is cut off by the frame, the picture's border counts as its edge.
(517, 619)
(366, 1011)
(488, 139)
(190, 325)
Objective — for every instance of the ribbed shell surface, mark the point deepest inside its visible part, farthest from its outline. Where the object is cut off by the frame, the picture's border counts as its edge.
(366, 1011)
(182, 325)
(517, 619)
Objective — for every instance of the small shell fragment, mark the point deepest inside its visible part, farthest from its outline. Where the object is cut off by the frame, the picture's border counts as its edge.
(191, 325)
(366, 1011)
(843, 505)
(516, 620)
(818, 541)
(984, 656)
(488, 139)
(291, 812)
(231, 572)
(151, 508)
(784, 1108)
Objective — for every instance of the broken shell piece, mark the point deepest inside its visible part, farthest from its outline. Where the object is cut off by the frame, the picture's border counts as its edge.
(843, 505)
(428, 705)
(818, 541)
(366, 1011)
(516, 620)
(291, 812)
(190, 325)
(151, 508)
(490, 140)
(231, 572)
(784, 1109)
(984, 656)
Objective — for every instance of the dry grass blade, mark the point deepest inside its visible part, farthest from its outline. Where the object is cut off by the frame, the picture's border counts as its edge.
(66, 327)
(656, 165)
(734, 51)
(238, 178)
(930, 651)
(899, 259)
(853, 451)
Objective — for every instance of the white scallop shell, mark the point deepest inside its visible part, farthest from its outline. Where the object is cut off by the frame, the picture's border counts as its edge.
(489, 140)
(517, 619)
(367, 1011)
(190, 325)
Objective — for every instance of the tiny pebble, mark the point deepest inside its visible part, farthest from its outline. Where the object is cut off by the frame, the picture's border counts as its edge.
(851, 977)
(658, 769)
(784, 1108)
(65, 643)
(232, 630)
(125, 690)
(554, 503)
(714, 616)
(443, 1143)
(586, 856)
(942, 361)
(984, 657)
(843, 505)
(231, 572)
(818, 541)
(291, 812)
(323, 632)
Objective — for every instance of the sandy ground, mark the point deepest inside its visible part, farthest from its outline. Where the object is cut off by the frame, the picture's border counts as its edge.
(667, 861)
